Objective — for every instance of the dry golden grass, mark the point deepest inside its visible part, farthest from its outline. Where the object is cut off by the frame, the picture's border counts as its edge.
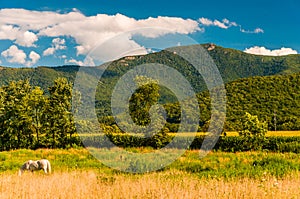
(271, 133)
(283, 133)
(166, 184)
(228, 133)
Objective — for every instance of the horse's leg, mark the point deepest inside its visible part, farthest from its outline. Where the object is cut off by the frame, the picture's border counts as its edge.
(20, 172)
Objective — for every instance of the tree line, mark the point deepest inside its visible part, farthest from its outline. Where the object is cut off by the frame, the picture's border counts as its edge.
(29, 118)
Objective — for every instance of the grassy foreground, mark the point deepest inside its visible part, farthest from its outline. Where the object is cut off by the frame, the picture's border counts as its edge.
(77, 174)
(168, 184)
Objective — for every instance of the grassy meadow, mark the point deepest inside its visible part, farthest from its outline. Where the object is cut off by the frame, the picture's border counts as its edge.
(167, 184)
(77, 174)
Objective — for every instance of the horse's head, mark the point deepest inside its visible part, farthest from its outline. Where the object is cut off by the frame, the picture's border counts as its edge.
(27, 164)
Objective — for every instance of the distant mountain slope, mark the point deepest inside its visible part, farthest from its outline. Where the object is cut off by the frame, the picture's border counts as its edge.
(275, 99)
(232, 64)
(40, 76)
(262, 85)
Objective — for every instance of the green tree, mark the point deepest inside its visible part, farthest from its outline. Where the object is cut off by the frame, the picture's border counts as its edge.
(38, 103)
(252, 127)
(254, 132)
(16, 120)
(144, 110)
(61, 121)
(143, 99)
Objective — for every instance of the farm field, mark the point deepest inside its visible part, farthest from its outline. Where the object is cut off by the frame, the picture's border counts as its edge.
(77, 174)
(230, 133)
(269, 133)
(168, 184)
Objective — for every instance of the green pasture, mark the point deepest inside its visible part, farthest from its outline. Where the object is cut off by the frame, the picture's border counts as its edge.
(214, 165)
(230, 133)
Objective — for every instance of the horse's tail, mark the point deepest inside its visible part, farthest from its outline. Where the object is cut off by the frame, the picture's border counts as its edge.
(48, 167)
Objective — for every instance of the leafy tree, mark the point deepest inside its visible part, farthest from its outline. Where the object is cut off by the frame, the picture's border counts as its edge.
(143, 99)
(145, 102)
(61, 121)
(38, 103)
(16, 120)
(253, 132)
(252, 127)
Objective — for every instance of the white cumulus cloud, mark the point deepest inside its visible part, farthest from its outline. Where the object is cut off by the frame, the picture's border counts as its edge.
(95, 30)
(57, 44)
(14, 55)
(19, 36)
(34, 57)
(264, 51)
(49, 51)
(87, 62)
(24, 27)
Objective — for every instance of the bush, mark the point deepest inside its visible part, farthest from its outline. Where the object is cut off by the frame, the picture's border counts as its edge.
(226, 144)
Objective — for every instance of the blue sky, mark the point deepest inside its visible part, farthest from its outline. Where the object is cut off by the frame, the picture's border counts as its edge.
(35, 33)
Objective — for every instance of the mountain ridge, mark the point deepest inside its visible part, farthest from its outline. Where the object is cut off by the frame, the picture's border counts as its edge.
(232, 64)
(254, 83)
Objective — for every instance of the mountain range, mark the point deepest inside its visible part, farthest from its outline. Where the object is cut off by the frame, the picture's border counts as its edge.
(266, 86)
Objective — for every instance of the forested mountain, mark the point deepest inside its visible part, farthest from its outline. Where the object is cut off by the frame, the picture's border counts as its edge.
(275, 99)
(232, 64)
(40, 76)
(266, 86)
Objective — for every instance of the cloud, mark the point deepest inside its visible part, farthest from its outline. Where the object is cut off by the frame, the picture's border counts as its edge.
(57, 44)
(14, 55)
(88, 31)
(264, 51)
(258, 30)
(122, 46)
(49, 51)
(113, 33)
(87, 62)
(34, 58)
(74, 61)
(19, 36)
(255, 31)
(225, 24)
(95, 30)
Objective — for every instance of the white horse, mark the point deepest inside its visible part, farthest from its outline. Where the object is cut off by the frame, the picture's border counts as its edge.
(31, 165)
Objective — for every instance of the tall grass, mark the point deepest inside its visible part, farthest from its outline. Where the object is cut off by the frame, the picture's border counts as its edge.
(77, 174)
(169, 184)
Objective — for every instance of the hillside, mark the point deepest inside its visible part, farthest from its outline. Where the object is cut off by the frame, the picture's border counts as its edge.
(262, 85)
(275, 99)
(232, 64)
